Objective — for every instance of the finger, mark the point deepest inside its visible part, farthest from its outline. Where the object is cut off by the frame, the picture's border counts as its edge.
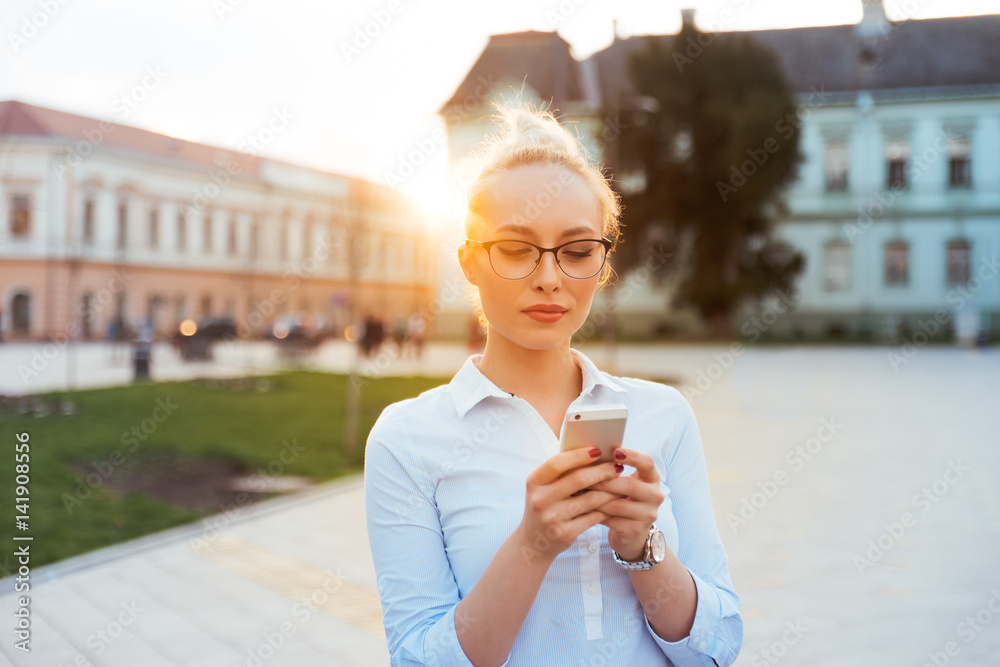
(642, 462)
(630, 510)
(631, 487)
(561, 463)
(583, 478)
(585, 502)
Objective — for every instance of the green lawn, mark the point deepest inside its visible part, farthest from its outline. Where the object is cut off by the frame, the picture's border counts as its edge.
(292, 424)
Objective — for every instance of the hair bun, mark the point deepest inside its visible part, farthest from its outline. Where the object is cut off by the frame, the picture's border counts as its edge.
(539, 128)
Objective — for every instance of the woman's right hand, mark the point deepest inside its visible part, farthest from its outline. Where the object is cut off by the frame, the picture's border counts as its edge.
(553, 516)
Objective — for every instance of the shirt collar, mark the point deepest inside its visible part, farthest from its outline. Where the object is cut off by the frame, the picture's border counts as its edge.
(470, 386)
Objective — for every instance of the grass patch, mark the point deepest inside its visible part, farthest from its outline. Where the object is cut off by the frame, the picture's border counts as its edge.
(129, 461)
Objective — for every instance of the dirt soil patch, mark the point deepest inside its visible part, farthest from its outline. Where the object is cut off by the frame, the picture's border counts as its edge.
(178, 478)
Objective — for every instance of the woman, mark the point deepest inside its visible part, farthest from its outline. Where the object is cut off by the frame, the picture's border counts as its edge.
(485, 551)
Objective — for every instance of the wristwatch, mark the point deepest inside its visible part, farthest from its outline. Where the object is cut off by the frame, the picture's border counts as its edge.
(653, 553)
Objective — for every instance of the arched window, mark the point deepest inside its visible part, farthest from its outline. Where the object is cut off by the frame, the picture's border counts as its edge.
(20, 314)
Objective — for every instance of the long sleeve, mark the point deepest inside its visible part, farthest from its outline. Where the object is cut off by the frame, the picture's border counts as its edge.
(415, 581)
(717, 633)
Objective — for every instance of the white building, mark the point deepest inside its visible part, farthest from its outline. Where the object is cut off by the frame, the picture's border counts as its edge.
(897, 205)
(102, 221)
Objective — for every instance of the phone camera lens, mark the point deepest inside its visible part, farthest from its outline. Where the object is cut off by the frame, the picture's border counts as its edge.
(576, 416)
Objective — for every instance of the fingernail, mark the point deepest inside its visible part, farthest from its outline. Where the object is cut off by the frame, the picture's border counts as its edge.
(594, 453)
(619, 468)
(620, 454)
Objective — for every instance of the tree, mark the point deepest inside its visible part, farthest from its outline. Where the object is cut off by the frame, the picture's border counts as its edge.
(718, 142)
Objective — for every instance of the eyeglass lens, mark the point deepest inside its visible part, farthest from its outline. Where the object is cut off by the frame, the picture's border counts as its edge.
(516, 259)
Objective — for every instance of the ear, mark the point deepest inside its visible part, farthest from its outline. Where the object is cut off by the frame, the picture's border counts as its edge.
(466, 259)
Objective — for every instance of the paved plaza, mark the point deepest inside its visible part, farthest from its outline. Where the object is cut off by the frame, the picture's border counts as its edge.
(857, 490)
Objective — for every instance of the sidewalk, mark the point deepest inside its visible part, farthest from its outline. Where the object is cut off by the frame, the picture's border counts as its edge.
(286, 582)
(815, 456)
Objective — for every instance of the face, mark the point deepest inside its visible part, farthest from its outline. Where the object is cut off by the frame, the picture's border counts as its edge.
(547, 205)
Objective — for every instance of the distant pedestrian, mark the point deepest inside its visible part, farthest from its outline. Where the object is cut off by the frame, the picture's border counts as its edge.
(417, 334)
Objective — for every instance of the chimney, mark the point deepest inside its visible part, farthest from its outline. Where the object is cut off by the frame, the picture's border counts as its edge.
(874, 22)
(687, 18)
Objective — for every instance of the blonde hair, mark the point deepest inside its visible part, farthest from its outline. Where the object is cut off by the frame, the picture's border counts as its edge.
(530, 136)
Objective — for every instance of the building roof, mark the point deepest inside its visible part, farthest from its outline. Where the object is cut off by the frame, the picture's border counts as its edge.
(21, 119)
(540, 59)
(929, 53)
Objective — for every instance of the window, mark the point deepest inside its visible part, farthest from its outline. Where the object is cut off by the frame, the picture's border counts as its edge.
(206, 305)
(20, 307)
(283, 238)
(836, 266)
(181, 229)
(897, 263)
(122, 224)
(231, 236)
(308, 238)
(88, 221)
(836, 165)
(959, 162)
(20, 216)
(897, 153)
(154, 227)
(206, 233)
(254, 232)
(959, 258)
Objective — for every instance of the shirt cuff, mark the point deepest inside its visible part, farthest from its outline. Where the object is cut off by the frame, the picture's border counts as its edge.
(441, 645)
(701, 645)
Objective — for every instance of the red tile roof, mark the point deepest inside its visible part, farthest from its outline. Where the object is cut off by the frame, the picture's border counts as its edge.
(26, 120)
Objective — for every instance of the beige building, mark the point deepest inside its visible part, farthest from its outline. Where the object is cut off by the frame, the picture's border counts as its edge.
(103, 223)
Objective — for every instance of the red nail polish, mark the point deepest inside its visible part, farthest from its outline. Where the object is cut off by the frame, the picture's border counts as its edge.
(620, 454)
(594, 453)
(619, 468)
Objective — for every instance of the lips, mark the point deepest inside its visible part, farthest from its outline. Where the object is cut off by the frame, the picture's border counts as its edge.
(545, 308)
(545, 312)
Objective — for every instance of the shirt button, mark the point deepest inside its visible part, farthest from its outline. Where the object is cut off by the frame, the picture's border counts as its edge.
(592, 547)
(592, 589)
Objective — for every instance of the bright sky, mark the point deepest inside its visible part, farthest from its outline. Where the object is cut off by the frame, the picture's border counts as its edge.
(225, 66)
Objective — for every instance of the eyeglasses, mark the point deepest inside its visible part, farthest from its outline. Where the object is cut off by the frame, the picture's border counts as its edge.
(514, 260)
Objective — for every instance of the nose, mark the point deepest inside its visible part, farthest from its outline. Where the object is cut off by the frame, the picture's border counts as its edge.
(547, 276)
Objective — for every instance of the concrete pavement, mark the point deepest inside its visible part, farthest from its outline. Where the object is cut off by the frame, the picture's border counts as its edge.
(857, 491)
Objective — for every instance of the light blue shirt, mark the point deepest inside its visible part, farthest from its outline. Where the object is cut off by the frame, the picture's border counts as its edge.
(445, 479)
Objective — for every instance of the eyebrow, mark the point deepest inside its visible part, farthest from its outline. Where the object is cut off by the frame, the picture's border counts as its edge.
(522, 229)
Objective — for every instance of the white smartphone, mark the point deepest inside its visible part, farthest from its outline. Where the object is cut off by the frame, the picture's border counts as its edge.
(601, 426)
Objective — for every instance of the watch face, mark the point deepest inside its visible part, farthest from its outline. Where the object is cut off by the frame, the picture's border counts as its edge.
(658, 546)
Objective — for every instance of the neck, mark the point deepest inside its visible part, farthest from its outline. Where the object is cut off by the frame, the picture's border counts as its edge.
(526, 373)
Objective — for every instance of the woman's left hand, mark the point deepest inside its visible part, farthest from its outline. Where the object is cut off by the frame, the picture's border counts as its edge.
(631, 516)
